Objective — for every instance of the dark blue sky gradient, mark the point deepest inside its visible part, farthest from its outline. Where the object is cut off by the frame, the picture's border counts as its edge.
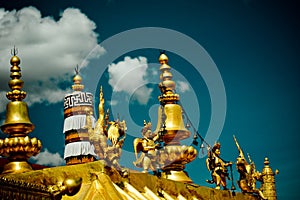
(254, 43)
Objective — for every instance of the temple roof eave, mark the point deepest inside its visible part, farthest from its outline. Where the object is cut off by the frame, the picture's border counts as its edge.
(100, 180)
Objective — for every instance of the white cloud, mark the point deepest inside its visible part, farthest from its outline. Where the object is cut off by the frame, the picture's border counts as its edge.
(113, 102)
(48, 159)
(129, 76)
(142, 95)
(49, 50)
(3, 102)
(43, 96)
(182, 86)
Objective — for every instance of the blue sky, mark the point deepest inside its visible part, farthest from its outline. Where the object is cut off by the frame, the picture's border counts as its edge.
(254, 45)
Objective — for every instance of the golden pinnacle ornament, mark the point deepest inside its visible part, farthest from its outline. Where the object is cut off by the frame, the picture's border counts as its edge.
(170, 130)
(18, 147)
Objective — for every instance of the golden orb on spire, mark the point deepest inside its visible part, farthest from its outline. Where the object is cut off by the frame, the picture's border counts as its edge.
(15, 60)
(163, 58)
(167, 85)
(77, 80)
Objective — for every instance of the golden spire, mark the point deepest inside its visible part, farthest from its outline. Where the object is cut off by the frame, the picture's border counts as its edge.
(173, 124)
(166, 75)
(98, 138)
(268, 181)
(100, 125)
(18, 147)
(77, 81)
(101, 107)
(167, 85)
(171, 128)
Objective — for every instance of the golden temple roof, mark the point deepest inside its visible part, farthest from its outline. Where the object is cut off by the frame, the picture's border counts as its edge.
(97, 180)
(101, 182)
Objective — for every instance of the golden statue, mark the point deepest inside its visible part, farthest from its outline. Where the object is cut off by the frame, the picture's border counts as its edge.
(100, 136)
(116, 134)
(248, 173)
(217, 166)
(148, 158)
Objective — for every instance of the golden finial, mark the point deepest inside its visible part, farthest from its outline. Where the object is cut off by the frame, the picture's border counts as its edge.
(268, 181)
(15, 83)
(18, 147)
(167, 85)
(266, 162)
(101, 108)
(14, 59)
(77, 81)
(163, 58)
(101, 93)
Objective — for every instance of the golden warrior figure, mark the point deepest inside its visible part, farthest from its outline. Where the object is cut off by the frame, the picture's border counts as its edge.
(146, 145)
(116, 134)
(217, 166)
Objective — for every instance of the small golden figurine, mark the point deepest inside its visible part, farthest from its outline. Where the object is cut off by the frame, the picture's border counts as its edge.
(148, 158)
(217, 167)
(116, 134)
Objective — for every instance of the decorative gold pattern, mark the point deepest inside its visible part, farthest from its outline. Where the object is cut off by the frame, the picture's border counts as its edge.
(13, 189)
(268, 181)
(76, 136)
(18, 147)
(73, 160)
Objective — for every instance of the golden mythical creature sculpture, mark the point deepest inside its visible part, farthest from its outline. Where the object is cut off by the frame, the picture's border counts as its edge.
(248, 173)
(108, 142)
(116, 134)
(217, 166)
(148, 158)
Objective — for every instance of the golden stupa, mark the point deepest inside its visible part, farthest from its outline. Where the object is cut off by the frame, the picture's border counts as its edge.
(86, 178)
